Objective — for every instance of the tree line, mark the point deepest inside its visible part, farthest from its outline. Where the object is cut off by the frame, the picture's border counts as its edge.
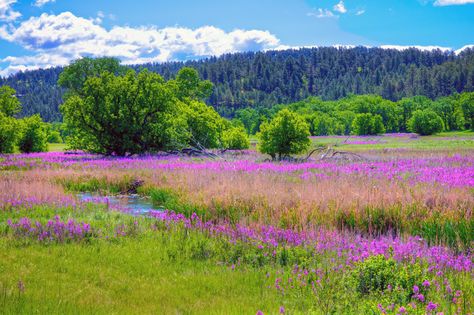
(111, 109)
(371, 114)
(263, 79)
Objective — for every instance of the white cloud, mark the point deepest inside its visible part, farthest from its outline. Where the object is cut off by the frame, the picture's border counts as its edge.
(40, 3)
(424, 48)
(58, 39)
(457, 52)
(442, 3)
(6, 12)
(340, 7)
(322, 13)
(360, 12)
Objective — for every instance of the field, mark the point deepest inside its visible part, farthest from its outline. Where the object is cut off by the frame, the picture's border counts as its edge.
(376, 225)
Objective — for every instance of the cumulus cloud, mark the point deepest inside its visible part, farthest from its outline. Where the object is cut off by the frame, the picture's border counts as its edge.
(58, 39)
(340, 7)
(360, 12)
(442, 3)
(40, 3)
(6, 12)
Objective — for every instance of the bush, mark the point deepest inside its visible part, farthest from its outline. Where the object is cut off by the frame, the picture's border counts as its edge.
(235, 138)
(425, 122)
(287, 133)
(34, 136)
(8, 133)
(377, 274)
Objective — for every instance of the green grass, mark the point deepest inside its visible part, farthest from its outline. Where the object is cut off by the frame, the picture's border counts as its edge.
(173, 270)
(56, 147)
(131, 277)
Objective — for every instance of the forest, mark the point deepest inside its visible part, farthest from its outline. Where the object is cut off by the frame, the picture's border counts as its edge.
(264, 79)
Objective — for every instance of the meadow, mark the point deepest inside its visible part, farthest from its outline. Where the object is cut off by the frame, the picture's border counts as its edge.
(383, 227)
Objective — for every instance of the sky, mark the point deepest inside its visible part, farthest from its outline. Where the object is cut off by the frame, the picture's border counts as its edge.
(44, 33)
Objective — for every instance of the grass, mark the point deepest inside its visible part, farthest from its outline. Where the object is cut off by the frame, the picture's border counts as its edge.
(166, 270)
(133, 276)
(56, 147)
(159, 269)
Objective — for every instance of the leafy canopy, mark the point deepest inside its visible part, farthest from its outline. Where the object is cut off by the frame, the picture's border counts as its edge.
(287, 133)
(119, 114)
(33, 136)
(425, 122)
(9, 103)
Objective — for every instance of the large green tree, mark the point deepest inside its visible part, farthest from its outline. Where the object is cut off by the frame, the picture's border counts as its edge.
(119, 114)
(122, 115)
(287, 133)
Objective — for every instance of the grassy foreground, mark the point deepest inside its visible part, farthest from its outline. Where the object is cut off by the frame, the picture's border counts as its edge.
(130, 277)
(141, 265)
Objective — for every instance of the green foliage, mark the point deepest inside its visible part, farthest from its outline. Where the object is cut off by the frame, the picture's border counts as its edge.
(235, 138)
(425, 122)
(378, 273)
(367, 124)
(33, 137)
(74, 76)
(287, 133)
(9, 103)
(204, 125)
(53, 131)
(325, 125)
(8, 133)
(467, 105)
(135, 113)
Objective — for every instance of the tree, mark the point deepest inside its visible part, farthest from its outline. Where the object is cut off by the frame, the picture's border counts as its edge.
(425, 122)
(76, 74)
(132, 113)
(9, 103)
(467, 104)
(287, 133)
(235, 138)
(9, 106)
(204, 125)
(33, 136)
(8, 133)
(119, 115)
(367, 124)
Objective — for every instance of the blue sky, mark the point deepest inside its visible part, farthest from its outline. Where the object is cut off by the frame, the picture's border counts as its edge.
(44, 33)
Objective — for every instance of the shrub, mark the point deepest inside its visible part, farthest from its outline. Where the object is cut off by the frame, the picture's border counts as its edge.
(425, 122)
(33, 137)
(287, 133)
(8, 133)
(235, 138)
(377, 274)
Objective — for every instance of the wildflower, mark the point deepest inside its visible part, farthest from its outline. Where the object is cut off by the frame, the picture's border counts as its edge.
(282, 310)
(402, 310)
(431, 306)
(420, 297)
(259, 313)
(426, 284)
(416, 289)
(382, 310)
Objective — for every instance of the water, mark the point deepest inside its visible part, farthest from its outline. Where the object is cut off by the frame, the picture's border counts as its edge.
(134, 203)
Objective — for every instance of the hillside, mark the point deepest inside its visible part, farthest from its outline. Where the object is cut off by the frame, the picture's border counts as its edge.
(273, 77)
